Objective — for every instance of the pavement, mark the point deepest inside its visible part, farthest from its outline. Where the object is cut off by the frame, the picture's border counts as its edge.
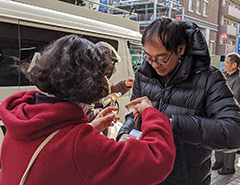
(233, 179)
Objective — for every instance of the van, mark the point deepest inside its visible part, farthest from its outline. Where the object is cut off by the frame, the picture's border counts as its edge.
(26, 26)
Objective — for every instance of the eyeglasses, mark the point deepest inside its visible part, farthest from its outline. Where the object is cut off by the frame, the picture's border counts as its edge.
(157, 61)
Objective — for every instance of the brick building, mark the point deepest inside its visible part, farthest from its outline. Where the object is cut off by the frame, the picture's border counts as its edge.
(205, 14)
(228, 20)
(214, 17)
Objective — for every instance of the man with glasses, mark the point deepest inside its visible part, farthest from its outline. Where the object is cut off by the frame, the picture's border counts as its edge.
(225, 160)
(177, 77)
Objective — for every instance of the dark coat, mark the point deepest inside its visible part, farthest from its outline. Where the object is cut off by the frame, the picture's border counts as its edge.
(204, 114)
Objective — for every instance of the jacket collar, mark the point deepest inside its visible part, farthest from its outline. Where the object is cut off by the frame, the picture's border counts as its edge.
(233, 74)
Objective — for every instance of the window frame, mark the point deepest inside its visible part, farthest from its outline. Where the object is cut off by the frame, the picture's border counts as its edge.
(211, 46)
(198, 7)
(190, 5)
(205, 3)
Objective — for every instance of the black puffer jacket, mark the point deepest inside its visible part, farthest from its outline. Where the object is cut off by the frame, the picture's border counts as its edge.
(204, 113)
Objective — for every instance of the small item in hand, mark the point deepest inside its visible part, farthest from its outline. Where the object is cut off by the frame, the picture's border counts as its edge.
(130, 108)
(134, 134)
(107, 100)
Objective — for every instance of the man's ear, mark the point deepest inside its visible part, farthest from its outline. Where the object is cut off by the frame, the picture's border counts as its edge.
(181, 49)
(234, 65)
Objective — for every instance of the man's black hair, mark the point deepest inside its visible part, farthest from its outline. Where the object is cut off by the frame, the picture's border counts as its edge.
(170, 33)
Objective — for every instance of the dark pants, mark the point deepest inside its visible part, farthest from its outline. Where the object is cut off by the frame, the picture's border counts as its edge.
(228, 159)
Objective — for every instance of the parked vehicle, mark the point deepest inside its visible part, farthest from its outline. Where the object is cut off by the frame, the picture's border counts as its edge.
(26, 26)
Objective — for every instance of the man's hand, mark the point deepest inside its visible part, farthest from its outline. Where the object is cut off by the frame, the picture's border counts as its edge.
(105, 118)
(123, 138)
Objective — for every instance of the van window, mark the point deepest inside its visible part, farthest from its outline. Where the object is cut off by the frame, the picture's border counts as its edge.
(32, 39)
(136, 52)
(9, 55)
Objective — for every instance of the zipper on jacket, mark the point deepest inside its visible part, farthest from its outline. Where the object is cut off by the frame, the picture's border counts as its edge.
(179, 62)
(160, 102)
(165, 85)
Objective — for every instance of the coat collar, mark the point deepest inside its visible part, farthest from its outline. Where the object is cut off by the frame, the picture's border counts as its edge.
(235, 73)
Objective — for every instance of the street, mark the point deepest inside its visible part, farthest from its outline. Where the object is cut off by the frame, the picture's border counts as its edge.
(233, 179)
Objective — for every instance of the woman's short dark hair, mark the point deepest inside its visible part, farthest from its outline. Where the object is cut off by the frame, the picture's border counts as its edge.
(170, 33)
(72, 68)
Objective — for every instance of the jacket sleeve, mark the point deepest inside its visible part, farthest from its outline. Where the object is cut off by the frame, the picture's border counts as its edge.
(129, 123)
(236, 89)
(219, 128)
(120, 87)
(100, 160)
(90, 110)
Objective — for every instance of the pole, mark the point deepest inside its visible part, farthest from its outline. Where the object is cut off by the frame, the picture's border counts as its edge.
(170, 9)
(183, 12)
(155, 10)
(236, 40)
(227, 43)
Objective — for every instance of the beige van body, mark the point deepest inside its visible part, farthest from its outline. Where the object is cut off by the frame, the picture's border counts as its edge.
(26, 26)
(34, 20)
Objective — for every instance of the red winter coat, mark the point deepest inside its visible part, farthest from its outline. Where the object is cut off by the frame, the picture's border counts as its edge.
(78, 154)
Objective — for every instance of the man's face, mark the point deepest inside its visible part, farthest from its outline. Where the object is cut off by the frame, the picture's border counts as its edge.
(159, 52)
(228, 66)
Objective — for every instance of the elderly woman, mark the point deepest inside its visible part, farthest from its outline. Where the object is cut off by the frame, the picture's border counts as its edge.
(70, 71)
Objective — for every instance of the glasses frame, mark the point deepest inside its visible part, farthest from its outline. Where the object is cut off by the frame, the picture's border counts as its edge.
(157, 61)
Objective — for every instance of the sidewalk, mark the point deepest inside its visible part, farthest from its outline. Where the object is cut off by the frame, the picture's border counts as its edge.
(233, 179)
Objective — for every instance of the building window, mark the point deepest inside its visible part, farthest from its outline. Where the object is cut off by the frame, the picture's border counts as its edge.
(233, 42)
(227, 3)
(211, 47)
(234, 25)
(205, 8)
(136, 52)
(225, 22)
(190, 5)
(198, 7)
(236, 7)
(225, 41)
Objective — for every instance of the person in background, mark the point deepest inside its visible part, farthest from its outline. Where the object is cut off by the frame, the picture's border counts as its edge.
(123, 86)
(225, 161)
(72, 70)
(177, 77)
(10, 74)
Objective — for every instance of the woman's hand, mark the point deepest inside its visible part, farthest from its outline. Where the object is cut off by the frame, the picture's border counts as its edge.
(123, 138)
(140, 104)
(105, 118)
